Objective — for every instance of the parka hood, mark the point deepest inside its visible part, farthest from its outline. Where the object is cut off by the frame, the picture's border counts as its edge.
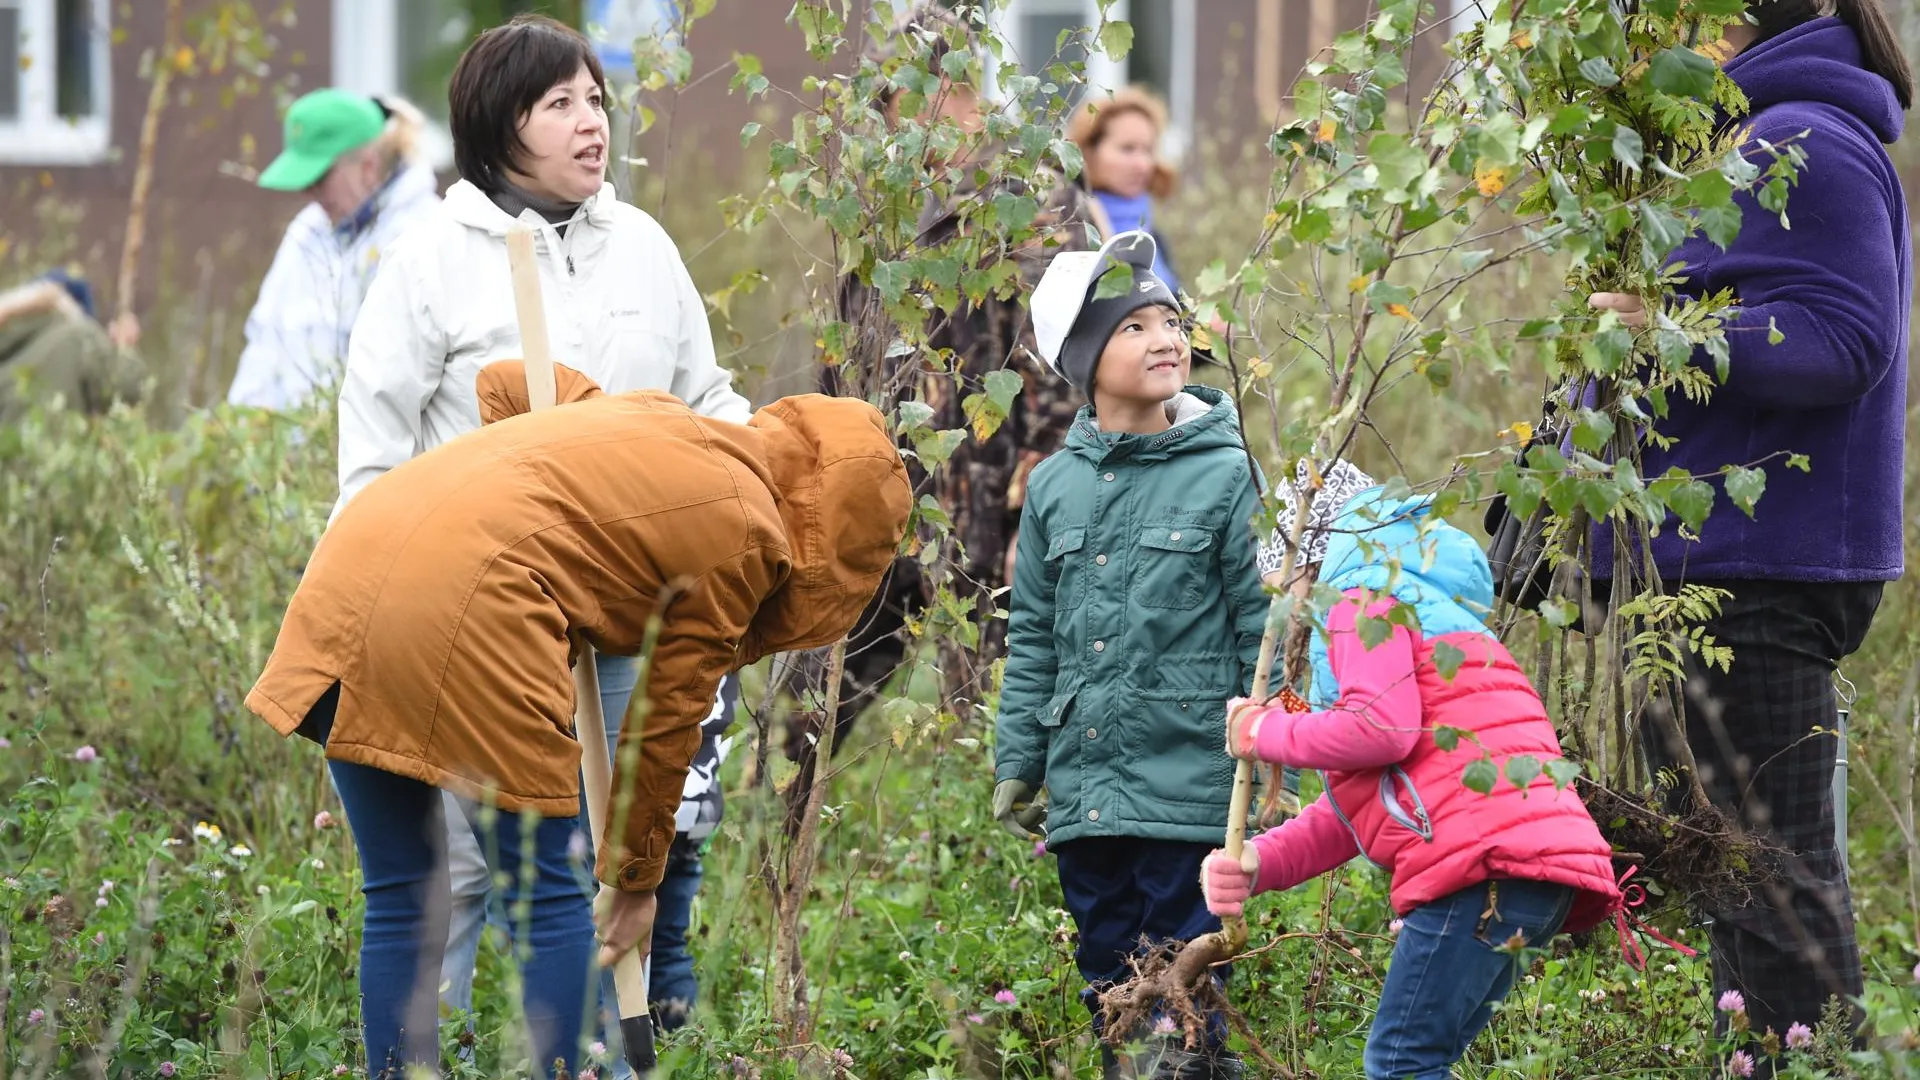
(843, 495)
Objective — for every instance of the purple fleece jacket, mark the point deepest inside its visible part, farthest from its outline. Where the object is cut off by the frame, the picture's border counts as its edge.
(1839, 286)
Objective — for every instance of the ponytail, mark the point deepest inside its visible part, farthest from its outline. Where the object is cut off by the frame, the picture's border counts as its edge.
(1880, 48)
(399, 143)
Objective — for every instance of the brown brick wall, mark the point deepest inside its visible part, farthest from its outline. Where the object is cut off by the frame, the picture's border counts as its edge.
(198, 217)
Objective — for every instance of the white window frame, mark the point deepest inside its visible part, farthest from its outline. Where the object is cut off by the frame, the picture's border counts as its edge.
(1105, 73)
(366, 59)
(40, 135)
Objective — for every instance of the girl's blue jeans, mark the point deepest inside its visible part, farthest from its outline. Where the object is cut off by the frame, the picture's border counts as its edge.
(1456, 959)
(400, 831)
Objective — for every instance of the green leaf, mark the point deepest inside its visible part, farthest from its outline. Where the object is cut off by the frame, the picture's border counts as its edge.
(1629, 148)
(1447, 659)
(1522, 770)
(1480, 776)
(1745, 486)
(1115, 281)
(1540, 328)
(911, 416)
(1592, 431)
(892, 279)
(1373, 631)
(1313, 226)
(1002, 387)
(747, 134)
(1663, 229)
(1558, 613)
(1774, 336)
(1690, 500)
(1400, 162)
(1116, 39)
(1719, 224)
(1799, 461)
(1680, 72)
(1597, 71)
(1447, 738)
(1564, 772)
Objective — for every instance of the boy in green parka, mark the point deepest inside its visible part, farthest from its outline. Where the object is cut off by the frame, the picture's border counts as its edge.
(1136, 606)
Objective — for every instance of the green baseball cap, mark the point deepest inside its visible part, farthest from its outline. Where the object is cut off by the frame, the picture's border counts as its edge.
(320, 127)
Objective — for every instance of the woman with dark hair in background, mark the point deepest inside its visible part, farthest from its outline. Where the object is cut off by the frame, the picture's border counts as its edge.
(1805, 573)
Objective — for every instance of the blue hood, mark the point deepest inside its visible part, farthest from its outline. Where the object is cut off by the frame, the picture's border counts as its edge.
(1394, 546)
(1818, 61)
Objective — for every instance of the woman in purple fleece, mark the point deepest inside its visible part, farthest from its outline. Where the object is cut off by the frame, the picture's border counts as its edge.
(1806, 572)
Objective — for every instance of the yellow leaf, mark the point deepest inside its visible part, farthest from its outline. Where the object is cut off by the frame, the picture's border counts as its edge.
(1358, 282)
(1521, 432)
(1324, 133)
(26, 61)
(46, 179)
(1523, 40)
(183, 58)
(1399, 309)
(1490, 179)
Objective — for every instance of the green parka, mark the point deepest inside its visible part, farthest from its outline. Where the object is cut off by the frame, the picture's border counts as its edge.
(1136, 613)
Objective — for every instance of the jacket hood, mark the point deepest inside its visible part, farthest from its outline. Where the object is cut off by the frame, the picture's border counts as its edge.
(1818, 61)
(501, 388)
(1203, 419)
(837, 480)
(843, 496)
(1395, 546)
(471, 207)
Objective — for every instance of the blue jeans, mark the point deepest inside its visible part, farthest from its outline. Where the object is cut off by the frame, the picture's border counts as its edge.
(671, 974)
(399, 831)
(1455, 960)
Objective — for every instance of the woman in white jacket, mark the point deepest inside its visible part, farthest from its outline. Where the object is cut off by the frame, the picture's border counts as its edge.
(359, 160)
(530, 140)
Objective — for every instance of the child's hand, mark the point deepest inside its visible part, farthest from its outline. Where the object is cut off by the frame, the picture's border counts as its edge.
(1244, 716)
(1227, 884)
(1016, 807)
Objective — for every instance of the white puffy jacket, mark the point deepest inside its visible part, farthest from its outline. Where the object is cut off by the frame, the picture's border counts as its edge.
(620, 307)
(297, 331)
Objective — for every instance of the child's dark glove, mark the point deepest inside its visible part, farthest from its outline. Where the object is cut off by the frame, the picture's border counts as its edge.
(1022, 812)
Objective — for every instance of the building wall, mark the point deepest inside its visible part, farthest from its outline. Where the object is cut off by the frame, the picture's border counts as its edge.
(206, 232)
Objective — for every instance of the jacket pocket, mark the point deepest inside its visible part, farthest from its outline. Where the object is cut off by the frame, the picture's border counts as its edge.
(1061, 550)
(1176, 743)
(1058, 709)
(1171, 564)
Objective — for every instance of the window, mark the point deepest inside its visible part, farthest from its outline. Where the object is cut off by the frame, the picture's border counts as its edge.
(405, 48)
(1161, 58)
(614, 25)
(53, 82)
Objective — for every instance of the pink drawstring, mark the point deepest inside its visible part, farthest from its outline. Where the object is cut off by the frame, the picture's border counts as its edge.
(1633, 895)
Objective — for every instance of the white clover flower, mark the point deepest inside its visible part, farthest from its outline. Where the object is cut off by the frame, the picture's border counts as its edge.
(317, 865)
(240, 851)
(218, 874)
(206, 831)
(261, 890)
(172, 841)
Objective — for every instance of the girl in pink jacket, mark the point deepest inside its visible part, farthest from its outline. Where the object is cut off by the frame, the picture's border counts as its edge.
(1477, 876)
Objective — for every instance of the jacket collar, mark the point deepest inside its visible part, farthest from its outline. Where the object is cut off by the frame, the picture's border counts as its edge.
(470, 207)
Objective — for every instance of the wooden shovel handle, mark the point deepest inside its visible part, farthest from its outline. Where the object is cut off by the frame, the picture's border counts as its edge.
(589, 722)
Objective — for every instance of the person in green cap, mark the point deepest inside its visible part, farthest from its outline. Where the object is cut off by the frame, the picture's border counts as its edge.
(359, 159)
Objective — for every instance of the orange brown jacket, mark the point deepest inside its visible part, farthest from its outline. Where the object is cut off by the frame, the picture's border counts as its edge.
(449, 598)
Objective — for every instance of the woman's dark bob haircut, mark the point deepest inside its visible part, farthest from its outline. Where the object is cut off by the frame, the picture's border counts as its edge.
(499, 79)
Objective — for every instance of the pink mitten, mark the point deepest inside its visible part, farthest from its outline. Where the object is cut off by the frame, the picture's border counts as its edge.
(1227, 884)
(1244, 716)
